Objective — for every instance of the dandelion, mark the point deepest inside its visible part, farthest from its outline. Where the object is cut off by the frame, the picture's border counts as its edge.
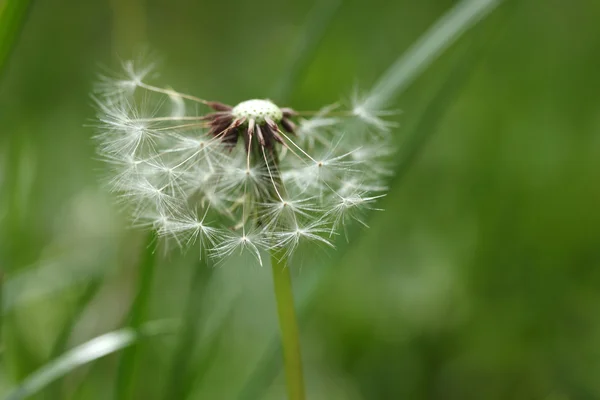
(263, 177)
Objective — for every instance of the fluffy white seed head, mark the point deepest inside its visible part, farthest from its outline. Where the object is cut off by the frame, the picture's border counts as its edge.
(241, 179)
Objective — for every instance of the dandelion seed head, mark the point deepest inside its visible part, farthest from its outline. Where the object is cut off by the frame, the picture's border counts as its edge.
(238, 179)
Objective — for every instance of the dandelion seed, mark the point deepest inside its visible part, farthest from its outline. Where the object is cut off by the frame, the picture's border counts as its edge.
(348, 207)
(290, 239)
(283, 212)
(148, 195)
(364, 110)
(125, 83)
(189, 229)
(319, 129)
(233, 242)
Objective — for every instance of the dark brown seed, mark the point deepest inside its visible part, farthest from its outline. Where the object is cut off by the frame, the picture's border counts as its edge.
(230, 138)
(268, 132)
(215, 105)
(278, 138)
(218, 128)
(259, 136)
(220, 118)
(288, 125)
(288, 112)
(272, 124)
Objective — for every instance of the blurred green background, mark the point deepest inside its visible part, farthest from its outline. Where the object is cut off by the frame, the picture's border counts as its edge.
(480, 280)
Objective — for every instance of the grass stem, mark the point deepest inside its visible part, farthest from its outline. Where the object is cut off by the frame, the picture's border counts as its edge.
(182, 373)
(12, 17)
(126, 371)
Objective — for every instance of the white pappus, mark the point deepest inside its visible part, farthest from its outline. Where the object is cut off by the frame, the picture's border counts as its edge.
(251, 177)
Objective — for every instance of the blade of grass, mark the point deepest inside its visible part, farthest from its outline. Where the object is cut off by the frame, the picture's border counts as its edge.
(181, 376)
(418, 136)
(127, 368)
(304, 50)
(90, 351)
(427, 48)
(209, 350)
(25, 287)
(12, 18)
(90, 291)
(14, 250)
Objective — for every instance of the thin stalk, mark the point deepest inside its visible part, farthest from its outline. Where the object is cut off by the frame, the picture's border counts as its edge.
(288, 325)
(20, 175)
(12, 17)
(127, 368)
(182, 373)
(54, 390)
(1, 313)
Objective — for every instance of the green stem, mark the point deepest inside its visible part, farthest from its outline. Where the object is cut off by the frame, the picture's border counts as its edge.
(12, 16)
(127, 368)
(182, 373)
(288, 324)
(1, 312)
(54, 390)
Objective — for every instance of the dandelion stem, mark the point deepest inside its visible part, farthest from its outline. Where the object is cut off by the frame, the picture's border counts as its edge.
(288, 325)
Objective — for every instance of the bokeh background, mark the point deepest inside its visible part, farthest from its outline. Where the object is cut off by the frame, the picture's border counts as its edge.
(480, 280)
